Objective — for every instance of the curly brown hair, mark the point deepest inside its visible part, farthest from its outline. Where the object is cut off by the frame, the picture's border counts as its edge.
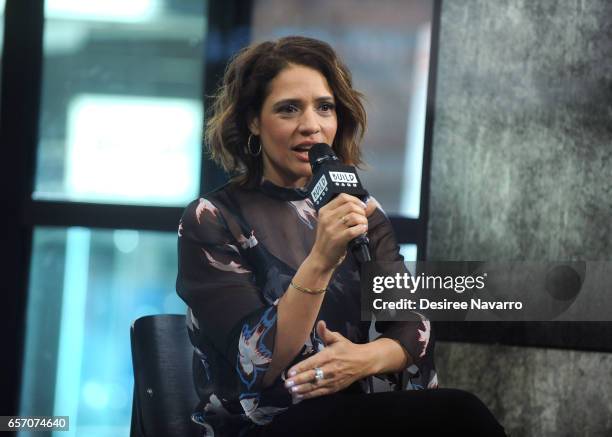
(245, 87)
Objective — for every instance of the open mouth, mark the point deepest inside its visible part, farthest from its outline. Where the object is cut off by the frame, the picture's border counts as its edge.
(302, 151)
(301, 148)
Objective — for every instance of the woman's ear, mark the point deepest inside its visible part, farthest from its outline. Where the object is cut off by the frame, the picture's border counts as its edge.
(253, 123)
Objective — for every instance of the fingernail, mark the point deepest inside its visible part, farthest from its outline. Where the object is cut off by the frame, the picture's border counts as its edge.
(364, 205)
(292, 373)
(294, 389)
(289, 383)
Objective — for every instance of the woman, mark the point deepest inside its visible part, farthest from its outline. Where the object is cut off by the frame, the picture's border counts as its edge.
(273, 295)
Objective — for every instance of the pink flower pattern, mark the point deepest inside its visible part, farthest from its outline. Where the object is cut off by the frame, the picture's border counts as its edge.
(305, 211)
(424, 337)
(233, 248)
(251, 351)
(259, 415)
(433, 382)
(205, 205)
(233, 266)
(247, 243)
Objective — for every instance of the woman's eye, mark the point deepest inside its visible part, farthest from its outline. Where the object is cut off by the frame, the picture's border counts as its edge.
(288, 108)
(327, 107)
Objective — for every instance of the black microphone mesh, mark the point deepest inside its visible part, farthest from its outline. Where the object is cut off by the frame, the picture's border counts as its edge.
(319, 153)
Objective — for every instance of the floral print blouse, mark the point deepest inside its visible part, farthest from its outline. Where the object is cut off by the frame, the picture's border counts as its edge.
(238, 249)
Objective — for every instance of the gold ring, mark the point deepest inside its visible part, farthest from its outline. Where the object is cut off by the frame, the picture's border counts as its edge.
(344, 219)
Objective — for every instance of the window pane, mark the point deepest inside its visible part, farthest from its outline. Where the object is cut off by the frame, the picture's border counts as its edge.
(86, 288)
(409, 252)
(386, 45)
(121, 114)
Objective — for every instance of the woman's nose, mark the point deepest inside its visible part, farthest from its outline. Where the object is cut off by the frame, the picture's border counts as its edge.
(309, 124)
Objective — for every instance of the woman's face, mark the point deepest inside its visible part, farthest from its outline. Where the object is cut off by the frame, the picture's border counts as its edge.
(299, 111)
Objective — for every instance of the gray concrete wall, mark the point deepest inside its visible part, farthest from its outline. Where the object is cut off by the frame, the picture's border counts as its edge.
(532, 391)
(522, 170)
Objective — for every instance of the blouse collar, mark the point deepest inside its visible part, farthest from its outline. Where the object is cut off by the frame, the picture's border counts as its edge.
(283, 193)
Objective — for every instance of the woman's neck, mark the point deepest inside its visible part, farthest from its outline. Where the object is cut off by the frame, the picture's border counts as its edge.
(286, 182)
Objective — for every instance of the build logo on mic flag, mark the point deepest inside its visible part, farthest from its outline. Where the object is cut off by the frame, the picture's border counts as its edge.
(319, 190)
(333, 179)
(343, 178)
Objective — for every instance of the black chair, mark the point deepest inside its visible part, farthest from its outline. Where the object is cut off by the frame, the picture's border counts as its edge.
(164, 394)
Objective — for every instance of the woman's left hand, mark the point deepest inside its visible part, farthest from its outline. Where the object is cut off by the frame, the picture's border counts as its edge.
(342, 362)
(371, 206)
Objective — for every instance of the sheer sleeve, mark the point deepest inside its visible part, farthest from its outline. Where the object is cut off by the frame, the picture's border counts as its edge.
(415, 337)
(226, 309)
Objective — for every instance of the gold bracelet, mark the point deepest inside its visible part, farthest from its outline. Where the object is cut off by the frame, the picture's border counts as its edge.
(340, 262)
(308, 290)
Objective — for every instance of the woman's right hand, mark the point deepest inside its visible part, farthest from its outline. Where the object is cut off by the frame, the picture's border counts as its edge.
(341, 220)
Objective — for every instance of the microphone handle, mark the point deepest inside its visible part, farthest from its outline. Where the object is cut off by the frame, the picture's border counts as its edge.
(360, 249)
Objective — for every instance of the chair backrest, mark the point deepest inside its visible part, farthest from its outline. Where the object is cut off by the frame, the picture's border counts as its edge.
(164, 394)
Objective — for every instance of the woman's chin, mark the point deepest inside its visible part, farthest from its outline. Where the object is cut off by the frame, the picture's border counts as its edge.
(302, 170)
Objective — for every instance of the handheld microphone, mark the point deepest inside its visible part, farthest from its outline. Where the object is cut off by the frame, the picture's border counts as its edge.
(329, 178)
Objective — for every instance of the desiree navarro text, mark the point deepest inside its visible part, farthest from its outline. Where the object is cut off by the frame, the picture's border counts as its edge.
(426, 304)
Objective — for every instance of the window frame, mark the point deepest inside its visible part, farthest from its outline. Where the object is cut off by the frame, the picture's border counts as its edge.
(22, 64)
